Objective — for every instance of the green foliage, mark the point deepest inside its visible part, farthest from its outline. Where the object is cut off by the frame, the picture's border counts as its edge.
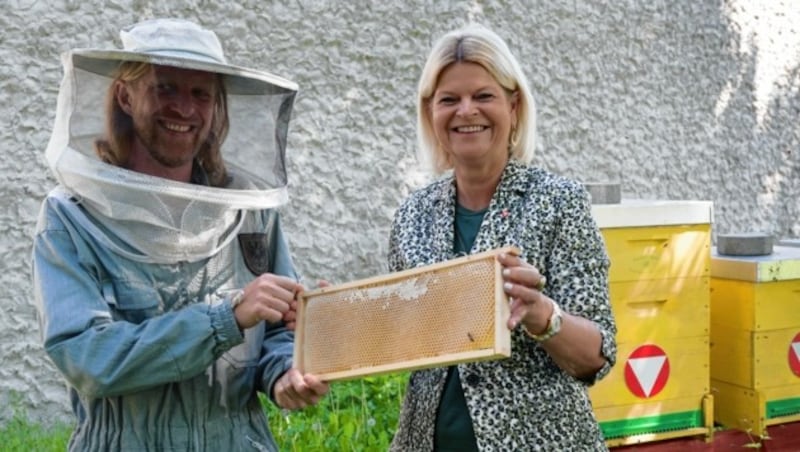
(20, 435)
(356, 415)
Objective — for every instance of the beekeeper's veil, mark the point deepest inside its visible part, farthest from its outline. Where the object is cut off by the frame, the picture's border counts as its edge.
(153, 219)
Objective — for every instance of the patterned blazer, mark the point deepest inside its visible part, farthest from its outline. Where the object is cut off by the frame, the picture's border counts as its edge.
(524, 402)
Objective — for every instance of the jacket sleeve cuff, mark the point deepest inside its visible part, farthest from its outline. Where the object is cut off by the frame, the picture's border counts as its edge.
(226, 330)
(609, 350)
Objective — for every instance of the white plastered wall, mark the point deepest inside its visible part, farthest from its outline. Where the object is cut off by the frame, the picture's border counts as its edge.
(673, 99)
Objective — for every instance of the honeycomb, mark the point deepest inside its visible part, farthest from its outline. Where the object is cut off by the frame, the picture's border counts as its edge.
(442, 314)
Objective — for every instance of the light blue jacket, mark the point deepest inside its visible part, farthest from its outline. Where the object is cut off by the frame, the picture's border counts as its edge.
(152, 354)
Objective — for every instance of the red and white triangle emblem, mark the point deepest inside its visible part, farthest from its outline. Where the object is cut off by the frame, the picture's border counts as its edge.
(646, 371)
(794, 355)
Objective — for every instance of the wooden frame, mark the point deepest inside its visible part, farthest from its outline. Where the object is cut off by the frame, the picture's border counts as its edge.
(380, 324)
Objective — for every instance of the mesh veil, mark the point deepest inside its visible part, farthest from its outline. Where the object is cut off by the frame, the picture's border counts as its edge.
(153, 219)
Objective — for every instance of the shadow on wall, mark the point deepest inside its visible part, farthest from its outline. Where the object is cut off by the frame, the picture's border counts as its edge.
(763, 172)
(678, 100)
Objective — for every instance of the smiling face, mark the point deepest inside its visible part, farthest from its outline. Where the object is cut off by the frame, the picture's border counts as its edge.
(172, 111)
(472, 116)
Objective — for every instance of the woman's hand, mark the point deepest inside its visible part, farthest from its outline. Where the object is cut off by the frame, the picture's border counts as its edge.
(524, 284)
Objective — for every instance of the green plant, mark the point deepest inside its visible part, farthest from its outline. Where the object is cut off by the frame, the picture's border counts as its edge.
(356, 415)
(21, 435)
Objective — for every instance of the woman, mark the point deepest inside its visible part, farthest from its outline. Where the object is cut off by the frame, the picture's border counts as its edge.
(476, 116)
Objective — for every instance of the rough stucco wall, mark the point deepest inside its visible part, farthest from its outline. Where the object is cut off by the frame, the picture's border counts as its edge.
(674, 99)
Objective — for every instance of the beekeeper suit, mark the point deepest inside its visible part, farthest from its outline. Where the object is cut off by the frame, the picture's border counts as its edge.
(162, 277)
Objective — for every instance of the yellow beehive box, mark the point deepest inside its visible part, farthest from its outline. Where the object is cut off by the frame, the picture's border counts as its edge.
(755, 307)
(756, 360)
(756, 293)
(656, 239)
(658, 252)
(659, 291)
(753, 410)
(656, 388)
(659, 275)
(657, 421)
(755, 339)
(651, 309)
(655, 371)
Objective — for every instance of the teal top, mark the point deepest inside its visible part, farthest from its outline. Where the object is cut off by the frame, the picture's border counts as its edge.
(453, 423)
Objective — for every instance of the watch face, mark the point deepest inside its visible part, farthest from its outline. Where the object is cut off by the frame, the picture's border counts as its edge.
(555, 323)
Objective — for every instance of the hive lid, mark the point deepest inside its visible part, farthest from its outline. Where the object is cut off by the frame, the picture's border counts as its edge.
(783, 264)
(604, 193)
(644, 212)
(789, 242)
(745, 244)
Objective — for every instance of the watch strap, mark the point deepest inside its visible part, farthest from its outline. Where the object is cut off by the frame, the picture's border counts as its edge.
(553, 325)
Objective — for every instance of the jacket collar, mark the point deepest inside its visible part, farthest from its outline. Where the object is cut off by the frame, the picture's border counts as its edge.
(513, 180)
(503, 208)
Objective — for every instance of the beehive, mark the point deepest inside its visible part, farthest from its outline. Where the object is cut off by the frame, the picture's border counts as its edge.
(755, 335)
(436, 315)
(659, 292)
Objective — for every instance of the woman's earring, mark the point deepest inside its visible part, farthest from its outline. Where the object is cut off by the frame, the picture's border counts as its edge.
(513, 140)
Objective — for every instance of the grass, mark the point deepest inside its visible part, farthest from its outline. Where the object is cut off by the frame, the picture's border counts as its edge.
(20, 435)
(356, 415)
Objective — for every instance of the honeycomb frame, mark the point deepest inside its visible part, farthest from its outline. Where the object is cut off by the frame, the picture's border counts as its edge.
(397, 321)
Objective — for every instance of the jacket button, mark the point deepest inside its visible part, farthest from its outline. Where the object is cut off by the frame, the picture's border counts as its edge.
(473, 379)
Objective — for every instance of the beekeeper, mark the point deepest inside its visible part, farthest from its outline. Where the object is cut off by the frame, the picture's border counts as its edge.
(163, 280)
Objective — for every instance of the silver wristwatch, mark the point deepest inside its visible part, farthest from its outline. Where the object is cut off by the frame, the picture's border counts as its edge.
(553, 325)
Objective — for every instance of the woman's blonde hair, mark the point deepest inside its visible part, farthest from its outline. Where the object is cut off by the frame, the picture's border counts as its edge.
(474, 44)
(115, 147)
